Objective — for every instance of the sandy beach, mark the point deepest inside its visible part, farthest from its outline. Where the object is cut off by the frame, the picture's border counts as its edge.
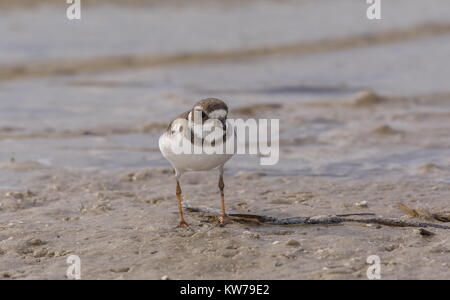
(364, 109)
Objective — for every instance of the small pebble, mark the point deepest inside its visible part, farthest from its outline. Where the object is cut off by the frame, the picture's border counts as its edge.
(278, 264)
(120, 270)
(165, 277)
(35, 242)
(362, 204)
(293, 243)
(391, 248)
(425, 233)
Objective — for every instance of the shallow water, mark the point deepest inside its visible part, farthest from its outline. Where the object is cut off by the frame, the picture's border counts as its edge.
(133, 98)
(45, 33)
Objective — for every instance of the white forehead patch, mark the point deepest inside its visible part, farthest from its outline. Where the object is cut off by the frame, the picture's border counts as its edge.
(217, 114)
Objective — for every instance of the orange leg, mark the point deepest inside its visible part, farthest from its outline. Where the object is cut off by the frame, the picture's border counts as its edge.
(180, 207)
(223, 218)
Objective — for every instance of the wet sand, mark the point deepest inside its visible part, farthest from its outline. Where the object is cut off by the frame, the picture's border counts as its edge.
(364, 117)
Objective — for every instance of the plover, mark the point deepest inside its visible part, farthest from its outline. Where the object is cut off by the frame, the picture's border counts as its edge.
(191, 127)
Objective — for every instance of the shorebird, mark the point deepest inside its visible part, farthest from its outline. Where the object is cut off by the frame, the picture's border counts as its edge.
(191, 127)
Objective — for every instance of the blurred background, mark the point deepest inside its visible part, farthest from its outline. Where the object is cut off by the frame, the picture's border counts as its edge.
(96, 93)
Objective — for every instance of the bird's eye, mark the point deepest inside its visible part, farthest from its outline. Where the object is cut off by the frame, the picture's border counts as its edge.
(180, 129)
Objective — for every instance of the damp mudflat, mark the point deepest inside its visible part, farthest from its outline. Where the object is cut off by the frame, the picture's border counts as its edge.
(362, 120)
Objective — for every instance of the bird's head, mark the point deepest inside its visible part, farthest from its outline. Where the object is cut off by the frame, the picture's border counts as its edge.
(210, 109)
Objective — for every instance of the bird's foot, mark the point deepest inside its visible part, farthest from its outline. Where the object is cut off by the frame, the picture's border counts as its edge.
(224, 220)
(183, 224)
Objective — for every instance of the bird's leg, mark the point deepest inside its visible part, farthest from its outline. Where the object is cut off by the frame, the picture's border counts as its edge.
(180, 207)
(223, 218)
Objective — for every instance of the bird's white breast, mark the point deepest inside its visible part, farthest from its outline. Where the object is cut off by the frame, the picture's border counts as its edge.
(188, 162)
